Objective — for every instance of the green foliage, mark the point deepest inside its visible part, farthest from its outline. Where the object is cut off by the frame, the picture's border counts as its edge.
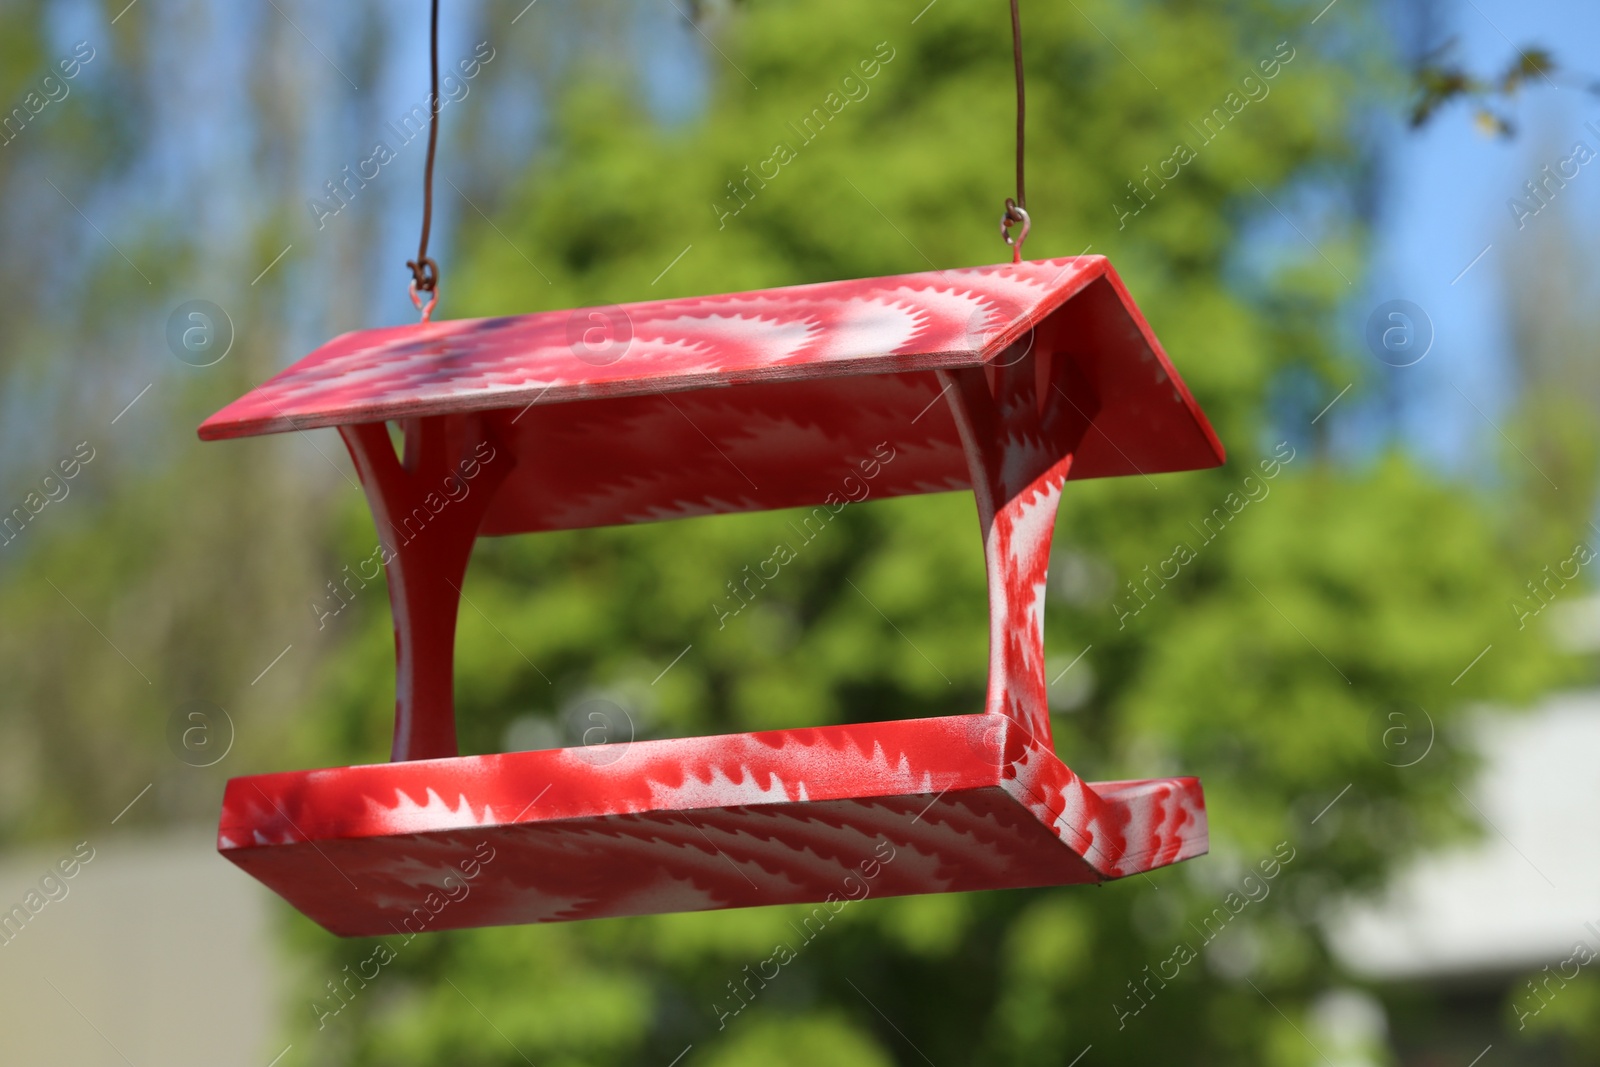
(1546, 1004)
(1441, 81)
(1320, 599)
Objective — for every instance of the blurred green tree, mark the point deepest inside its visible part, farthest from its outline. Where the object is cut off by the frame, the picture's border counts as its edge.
(1337, 596)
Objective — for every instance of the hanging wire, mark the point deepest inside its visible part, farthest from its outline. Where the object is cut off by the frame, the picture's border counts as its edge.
(424, 271)
(1016, 212)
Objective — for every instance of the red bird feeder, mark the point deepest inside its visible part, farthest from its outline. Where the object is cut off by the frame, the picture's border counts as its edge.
(1007, 380)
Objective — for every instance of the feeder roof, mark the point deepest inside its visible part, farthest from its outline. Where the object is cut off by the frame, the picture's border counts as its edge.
(757, 400)
(897, 324)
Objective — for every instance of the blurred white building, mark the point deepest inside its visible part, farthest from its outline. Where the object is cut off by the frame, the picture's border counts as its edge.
(1462, 930)
(156, 953)
(1525, 894)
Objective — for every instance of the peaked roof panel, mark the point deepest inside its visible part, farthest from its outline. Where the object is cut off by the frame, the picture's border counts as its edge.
(902, 323)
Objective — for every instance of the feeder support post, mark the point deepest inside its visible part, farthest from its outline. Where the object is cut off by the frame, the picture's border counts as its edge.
(427, 509)
(1021, 419)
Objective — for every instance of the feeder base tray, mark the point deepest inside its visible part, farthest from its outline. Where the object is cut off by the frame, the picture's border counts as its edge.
(787, 816)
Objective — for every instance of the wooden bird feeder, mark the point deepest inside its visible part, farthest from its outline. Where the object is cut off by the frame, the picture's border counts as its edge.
(1006, 380)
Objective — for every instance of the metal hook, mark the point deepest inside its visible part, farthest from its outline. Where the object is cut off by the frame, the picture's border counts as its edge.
(426, 309)
(1012, 215)
(424, 278)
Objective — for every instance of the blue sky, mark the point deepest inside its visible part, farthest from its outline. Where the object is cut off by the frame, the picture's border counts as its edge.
(1448, 185)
